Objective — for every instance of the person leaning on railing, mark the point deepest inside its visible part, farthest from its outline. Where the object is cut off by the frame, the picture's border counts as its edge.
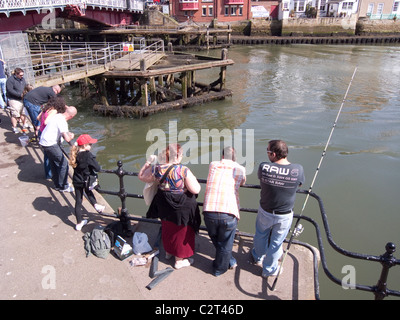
(175, 204)
(50, 140)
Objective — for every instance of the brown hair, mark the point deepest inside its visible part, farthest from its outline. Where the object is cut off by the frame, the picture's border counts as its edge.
(58, 103)
(279, 147)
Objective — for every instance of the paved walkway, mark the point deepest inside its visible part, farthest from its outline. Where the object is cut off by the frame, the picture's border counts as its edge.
(42, 255)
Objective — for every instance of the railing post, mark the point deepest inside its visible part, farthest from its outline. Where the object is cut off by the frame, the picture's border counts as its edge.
(387, 261)
(122, 194)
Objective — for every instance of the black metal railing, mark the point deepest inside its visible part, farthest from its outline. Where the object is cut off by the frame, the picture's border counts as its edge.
(380, 290)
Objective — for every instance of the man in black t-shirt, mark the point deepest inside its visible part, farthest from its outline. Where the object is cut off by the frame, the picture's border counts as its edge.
(279, 180)
(35, 98)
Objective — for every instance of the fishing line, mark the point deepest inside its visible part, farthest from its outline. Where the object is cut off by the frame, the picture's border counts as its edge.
(298, 228)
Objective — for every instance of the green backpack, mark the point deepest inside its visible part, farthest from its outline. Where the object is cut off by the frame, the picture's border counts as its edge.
(97, 242)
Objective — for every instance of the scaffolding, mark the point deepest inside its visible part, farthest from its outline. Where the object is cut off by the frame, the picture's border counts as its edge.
(14, 50)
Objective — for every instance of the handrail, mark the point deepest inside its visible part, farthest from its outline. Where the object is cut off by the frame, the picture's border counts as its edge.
(64, 58)
(387, 260)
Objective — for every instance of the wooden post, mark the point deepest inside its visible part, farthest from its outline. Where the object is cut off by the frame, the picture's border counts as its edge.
(145, 100)
(153, 91)
(208, 39)
(222, 78)
(184, 83)
(122, 90)
(224, 56)
(131, 86)
(143, 65)
(84, 86)
(111, 88)
(193, 83)
(101, 84)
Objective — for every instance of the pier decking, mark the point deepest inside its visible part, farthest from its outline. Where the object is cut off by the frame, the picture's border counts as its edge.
(144, 72)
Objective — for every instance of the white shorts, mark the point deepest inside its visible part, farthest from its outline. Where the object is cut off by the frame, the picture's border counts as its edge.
(17, 108)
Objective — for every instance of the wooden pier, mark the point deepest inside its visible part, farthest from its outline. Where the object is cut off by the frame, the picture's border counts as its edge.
(169, 83)
(136, 82)
(177, 36)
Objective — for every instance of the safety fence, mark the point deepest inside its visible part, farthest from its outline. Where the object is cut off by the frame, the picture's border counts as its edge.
(56, 59)
(387, 260)
(392, 16)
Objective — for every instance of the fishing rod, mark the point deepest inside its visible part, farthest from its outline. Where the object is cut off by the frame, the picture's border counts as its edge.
(298, 228)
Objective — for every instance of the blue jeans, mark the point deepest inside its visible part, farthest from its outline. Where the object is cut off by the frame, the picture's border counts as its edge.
(221, 228)
(3, 97)
(59, 166)
(271, 231)
(33, 111)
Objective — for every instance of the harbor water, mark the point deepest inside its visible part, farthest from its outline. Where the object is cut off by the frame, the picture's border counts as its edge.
(292, 93)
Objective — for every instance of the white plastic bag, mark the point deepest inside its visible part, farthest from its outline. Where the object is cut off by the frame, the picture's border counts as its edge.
(149, 191)
(140, 243)
(151, 188)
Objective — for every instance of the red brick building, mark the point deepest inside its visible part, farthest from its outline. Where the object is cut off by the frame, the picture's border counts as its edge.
(204, 11)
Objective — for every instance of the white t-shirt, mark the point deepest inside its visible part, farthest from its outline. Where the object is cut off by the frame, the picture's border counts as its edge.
(53, 131)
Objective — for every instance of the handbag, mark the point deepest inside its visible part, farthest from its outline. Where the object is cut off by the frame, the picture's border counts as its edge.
(150, 188)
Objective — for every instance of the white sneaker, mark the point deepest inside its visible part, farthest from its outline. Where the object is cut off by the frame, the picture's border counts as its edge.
(79, 226)
(68, 189)
(275, 273)
(99, 208)
(16, 130)
(183, 263)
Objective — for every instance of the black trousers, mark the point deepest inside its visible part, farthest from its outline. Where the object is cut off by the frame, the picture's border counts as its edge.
(78, 201)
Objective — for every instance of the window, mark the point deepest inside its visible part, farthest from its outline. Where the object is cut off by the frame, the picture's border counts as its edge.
(233, 10)
(370, 9)
(240, 13)
(286, 6)
(396, 6)
(379, 10)
(226, 10)
(299, 5)
(204, 10)
(210, 11)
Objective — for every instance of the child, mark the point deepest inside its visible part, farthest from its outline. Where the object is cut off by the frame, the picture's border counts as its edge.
(83, 162)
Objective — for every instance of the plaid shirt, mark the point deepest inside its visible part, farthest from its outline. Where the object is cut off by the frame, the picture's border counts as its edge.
(222, 189)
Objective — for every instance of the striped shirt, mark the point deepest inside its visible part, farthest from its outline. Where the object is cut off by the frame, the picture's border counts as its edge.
(222, 189)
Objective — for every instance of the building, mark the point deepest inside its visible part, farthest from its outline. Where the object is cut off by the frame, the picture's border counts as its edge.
(230, 11)
(379, 9)
(224, 11)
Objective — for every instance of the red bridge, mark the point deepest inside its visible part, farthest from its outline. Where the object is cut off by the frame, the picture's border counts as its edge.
(18, 15)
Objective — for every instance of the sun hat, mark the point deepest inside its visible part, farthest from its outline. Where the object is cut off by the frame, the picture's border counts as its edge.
(85, 139)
